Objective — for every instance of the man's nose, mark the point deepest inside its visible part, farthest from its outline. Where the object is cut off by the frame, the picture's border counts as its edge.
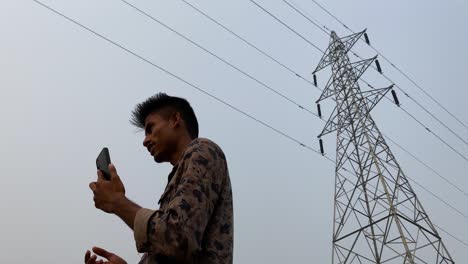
(146, 141)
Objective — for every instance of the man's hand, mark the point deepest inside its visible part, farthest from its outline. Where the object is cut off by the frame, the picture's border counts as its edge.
(108, 193)
(111, 257)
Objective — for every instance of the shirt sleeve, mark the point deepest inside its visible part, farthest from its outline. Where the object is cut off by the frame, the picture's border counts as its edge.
(175, 233)
(140, 226)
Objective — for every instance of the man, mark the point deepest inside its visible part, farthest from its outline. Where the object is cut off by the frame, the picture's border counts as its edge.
(194, 223)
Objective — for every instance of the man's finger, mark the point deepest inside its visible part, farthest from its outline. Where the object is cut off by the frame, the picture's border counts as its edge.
(87, 255)
(102, 252)
(100, 175)
(91, 260)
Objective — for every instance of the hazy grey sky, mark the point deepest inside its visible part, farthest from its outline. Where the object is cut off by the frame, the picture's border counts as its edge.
(66, 93)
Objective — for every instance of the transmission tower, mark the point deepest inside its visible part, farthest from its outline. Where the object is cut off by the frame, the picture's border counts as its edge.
(377, 216)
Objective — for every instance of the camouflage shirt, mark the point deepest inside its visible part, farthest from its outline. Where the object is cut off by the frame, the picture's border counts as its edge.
(194, 223)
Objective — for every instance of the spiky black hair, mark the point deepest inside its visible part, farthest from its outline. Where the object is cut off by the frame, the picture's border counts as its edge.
(161, 103)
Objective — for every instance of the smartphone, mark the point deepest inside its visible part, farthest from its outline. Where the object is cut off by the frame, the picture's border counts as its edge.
(102, 163)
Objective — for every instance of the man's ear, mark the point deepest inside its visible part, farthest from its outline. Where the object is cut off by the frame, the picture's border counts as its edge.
(176, 119)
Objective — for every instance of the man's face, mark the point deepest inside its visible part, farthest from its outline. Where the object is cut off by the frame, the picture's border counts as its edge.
(159, 137)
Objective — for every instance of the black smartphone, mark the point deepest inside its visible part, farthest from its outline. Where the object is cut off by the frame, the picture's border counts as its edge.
(102, 163)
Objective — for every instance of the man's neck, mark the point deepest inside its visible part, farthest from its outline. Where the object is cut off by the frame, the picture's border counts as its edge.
(182, 145)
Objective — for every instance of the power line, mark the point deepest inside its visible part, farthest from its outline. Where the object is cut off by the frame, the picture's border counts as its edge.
(440, 199)
(287, 68)
(437, 136)
(412, 116)
(418, 104)
(184, 81)
(324, 29)
(329, 13)
(385, 76)
(180, 78)
(306, 17)
(248, 75)
(218, 57)
(394, 66)
(284, 24)
(427, 166)
(298, 34)
(454, 237)
(399, 70)
(249, 43)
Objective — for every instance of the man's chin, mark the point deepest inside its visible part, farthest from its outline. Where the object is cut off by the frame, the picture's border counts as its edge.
(158, 159)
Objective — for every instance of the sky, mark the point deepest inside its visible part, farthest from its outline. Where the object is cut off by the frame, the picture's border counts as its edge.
(66, 93)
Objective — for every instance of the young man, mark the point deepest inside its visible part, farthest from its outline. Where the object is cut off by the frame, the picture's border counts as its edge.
(194, 223)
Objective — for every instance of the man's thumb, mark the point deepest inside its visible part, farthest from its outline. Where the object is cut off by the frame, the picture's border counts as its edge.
(114, 176)
(112, 169)
(113, 173)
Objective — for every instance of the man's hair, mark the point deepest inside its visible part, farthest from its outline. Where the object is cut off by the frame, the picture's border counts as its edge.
(165, 105)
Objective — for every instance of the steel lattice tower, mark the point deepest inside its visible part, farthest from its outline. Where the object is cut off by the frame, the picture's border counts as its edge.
(377, 216)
